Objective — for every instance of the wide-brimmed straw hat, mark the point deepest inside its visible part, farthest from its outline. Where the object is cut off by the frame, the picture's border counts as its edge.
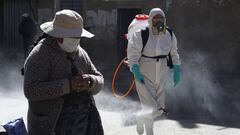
(66, 23)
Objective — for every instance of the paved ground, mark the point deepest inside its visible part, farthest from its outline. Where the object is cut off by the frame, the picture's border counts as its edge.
(14, 105)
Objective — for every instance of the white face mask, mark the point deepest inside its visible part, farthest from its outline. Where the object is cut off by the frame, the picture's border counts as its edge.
(69, 44)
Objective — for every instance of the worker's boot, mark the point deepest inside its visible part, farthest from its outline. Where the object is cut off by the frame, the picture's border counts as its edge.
(140, 126)
(149, 126)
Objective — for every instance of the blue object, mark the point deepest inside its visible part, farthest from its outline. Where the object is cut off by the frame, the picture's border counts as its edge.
(16, 127)
(176, 74)
(137, 73)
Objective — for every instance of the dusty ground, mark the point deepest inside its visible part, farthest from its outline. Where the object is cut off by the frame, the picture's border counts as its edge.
(15, 105)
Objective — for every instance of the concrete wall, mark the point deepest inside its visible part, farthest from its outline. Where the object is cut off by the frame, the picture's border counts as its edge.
(210, 27)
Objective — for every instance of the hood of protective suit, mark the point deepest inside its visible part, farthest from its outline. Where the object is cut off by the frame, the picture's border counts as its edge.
(154, 12)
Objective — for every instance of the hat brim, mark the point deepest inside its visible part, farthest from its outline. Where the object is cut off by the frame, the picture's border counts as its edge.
(86, 33)
(59, 32)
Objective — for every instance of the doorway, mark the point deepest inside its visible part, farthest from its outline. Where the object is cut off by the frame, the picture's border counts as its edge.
(124, 18)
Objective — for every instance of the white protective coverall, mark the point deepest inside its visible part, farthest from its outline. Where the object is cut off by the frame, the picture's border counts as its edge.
(151, 93)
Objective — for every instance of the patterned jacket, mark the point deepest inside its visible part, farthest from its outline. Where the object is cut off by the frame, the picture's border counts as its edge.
(46, 82)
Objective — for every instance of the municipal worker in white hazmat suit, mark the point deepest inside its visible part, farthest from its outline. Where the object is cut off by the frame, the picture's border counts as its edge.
(150, 65)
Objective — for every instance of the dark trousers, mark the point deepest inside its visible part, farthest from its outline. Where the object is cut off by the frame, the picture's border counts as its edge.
(27, 42)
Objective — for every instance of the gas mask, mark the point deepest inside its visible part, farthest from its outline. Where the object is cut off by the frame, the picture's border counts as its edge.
(160, 26)
(69, 44)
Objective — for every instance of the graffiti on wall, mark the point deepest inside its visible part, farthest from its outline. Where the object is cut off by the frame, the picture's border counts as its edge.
(44, 15)
(102, 23)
